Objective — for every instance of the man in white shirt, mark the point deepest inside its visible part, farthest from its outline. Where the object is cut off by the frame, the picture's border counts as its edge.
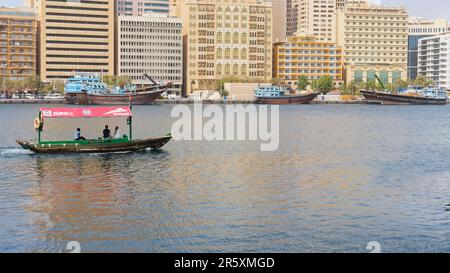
(117, 134)
(77, 135)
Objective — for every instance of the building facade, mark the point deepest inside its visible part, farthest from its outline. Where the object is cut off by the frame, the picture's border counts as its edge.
(341, 4)
(224, 38)
(279, 20)
(75, 37)
(419, 28)
(375, 40)
(307, 56)
(434, 59)
(140, 7)
(291, 17)
(29, 3)
(18, 29)
(312, 18)
(151, 44)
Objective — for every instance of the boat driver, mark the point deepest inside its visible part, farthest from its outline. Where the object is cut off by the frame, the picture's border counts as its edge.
(106, 133)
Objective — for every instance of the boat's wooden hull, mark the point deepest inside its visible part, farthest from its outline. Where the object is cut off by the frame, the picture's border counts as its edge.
(129, 146)
(137, 98)
(395, 99)
(296, 99)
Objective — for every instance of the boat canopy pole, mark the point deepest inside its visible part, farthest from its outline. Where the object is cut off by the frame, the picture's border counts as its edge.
(130, 121)
(130, 118)
(40, 127)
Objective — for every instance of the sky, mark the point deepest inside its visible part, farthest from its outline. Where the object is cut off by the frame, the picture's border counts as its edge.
(430, 9)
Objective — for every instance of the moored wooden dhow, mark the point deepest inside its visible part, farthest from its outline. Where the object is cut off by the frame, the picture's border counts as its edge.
(279, 95)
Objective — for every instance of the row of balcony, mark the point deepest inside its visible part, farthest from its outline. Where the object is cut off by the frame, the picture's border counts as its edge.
(309, 60)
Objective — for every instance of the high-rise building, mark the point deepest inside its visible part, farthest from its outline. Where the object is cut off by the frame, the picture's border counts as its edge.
(224, 38)
(279, 20)
(312, 18)
(151, 44)
(18, 29)
(291, 17)
(307, 56)
(420, 28)
(434, 59)
(75, 37)
(140, 7)
(375, 41)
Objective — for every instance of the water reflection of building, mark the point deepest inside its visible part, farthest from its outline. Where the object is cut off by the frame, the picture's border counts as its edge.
(74, 193)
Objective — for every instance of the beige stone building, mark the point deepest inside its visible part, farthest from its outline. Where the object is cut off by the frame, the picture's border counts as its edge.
(151, 44)
(375, 41)
(312, 18)
(75, 37)
(307, 56)
(18, 29)
(225, 38)
(279, 20)
(341, 4)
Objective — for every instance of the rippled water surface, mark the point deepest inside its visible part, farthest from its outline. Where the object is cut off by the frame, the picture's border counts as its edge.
(344, 175)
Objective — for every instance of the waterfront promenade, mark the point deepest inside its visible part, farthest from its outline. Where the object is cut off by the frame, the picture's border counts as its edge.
(31, 101)
(181, 101)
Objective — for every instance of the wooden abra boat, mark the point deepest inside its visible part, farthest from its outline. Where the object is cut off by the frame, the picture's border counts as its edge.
(123, 144)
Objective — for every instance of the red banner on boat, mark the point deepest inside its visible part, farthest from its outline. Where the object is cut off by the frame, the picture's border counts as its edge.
(86, 112)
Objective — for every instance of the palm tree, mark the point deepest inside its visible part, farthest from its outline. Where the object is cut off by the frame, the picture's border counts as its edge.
(302, 82)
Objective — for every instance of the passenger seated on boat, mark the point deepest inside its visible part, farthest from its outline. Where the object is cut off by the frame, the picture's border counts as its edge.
(77, 135)
(117, 133)
(106, 133)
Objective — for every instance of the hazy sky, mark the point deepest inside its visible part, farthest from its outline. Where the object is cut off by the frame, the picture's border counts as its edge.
(431, 9)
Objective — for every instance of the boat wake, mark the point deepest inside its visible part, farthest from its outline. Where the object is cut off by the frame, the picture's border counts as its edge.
(5, 151)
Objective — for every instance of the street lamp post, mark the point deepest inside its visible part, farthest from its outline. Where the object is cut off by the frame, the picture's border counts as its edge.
(4, 87)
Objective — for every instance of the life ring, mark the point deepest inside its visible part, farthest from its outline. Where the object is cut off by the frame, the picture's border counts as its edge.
(37, 123)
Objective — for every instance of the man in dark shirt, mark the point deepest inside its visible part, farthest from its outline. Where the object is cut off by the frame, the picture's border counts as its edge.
(106, 133)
